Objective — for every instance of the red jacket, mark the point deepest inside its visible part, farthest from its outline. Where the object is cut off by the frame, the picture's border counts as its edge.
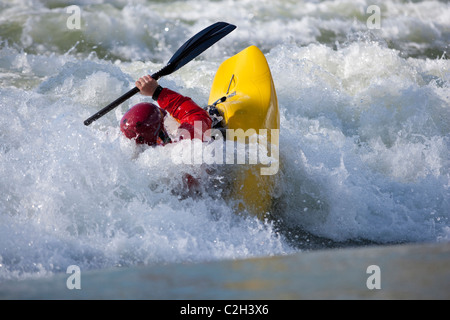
(191, 118)
(187, 112)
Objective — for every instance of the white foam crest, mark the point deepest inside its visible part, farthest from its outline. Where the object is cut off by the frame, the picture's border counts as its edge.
(366, 131)
(88, 196)
(333, 193)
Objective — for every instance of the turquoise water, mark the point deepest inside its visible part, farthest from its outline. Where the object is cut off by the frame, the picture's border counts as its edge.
(364, 140)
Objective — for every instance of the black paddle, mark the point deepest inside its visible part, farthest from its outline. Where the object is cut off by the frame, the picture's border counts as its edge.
(187, 52)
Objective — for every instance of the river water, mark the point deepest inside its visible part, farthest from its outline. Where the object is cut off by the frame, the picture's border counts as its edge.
(363, 89)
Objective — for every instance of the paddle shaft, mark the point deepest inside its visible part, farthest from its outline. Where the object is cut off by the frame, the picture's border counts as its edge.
(116, 102)
(111, 106)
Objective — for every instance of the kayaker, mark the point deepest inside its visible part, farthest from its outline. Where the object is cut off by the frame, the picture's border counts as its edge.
(144, 122)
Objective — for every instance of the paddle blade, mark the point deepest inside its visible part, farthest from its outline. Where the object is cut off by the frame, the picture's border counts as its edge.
(195, 46)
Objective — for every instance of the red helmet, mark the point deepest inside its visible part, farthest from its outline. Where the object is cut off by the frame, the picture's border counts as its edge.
(145, 122)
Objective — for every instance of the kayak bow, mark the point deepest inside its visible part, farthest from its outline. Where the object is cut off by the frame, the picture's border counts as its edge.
(245, 94)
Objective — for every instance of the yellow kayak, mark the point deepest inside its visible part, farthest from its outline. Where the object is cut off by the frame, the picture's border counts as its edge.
(245, 96)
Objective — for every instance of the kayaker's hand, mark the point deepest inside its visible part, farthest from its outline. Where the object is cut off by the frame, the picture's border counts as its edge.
(147, 85)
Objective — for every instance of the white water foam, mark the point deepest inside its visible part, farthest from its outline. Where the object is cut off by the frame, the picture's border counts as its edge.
(364, 142)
